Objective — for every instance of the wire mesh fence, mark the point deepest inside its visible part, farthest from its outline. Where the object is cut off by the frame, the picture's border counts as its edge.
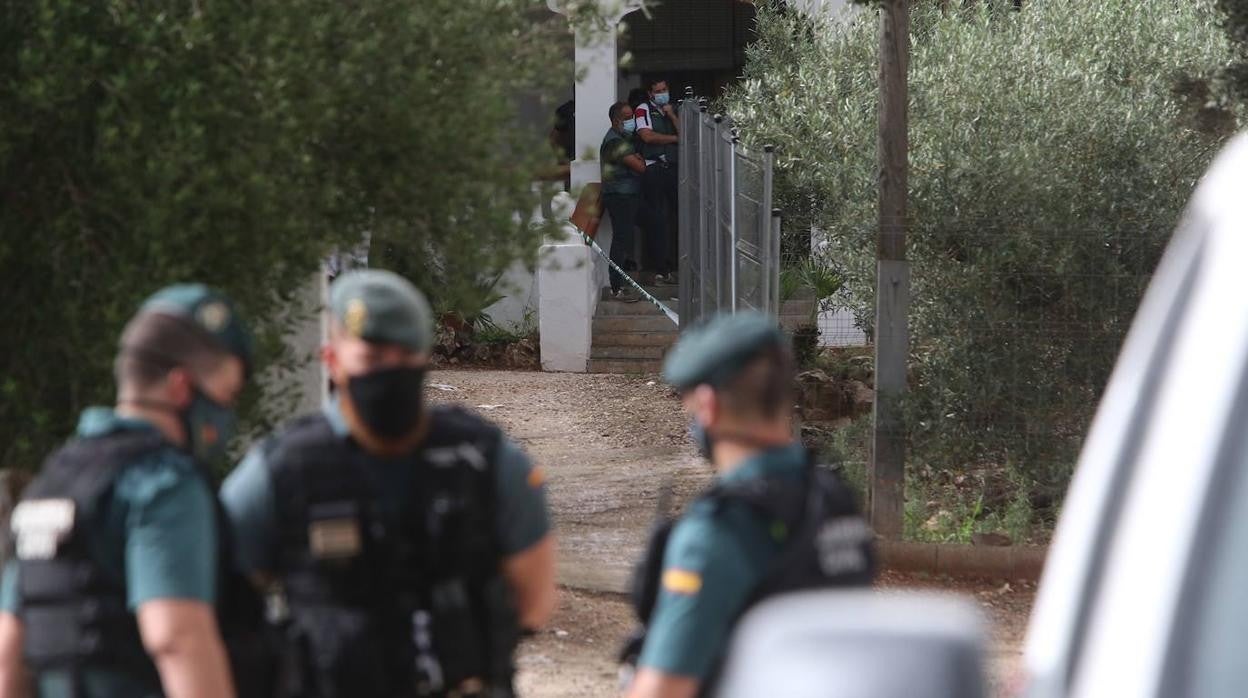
(730, 235)
(1014, 329)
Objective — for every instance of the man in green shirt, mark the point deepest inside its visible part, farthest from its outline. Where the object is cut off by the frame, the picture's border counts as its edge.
(772, 522)
(117, 577)
(622, 170)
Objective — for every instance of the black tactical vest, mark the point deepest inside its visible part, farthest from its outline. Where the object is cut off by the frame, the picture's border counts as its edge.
(383, 603)
(74, 611)
(825, 544)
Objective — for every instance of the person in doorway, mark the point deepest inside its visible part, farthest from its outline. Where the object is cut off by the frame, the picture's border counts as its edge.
(658, 129)
(122, 582)
(410, 542)
(772, 522)
(622, 170)
(562, 140)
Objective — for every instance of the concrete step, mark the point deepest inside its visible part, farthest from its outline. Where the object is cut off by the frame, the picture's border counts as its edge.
(613, 307)
(634, 339)
(633, 323)
(651, 366)
(663, 293)
(620, 308)
(625, 352)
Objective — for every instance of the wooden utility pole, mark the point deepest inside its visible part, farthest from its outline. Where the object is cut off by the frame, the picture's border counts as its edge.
(892, 290)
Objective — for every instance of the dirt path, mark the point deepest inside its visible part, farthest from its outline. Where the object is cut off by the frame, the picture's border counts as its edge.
(608, 444)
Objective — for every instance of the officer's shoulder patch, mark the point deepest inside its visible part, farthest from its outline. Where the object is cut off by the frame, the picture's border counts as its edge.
(41, 525)
(678, 581)
(537, 477)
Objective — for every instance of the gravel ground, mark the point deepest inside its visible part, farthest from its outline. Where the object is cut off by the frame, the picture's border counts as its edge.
(608, 445)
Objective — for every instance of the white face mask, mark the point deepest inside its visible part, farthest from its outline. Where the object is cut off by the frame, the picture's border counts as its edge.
(628, 126)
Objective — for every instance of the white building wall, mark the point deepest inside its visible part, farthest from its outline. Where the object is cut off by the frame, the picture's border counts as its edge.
(824, 6)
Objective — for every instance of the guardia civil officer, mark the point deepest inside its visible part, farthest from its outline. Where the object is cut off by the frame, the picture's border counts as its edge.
(771, 522)
(120, 584)
(410, 542)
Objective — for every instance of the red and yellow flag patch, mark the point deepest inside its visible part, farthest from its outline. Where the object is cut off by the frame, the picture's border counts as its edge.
(536, 477)
(682, 581)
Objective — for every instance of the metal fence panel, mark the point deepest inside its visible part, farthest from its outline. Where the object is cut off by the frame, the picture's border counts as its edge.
(729, 245)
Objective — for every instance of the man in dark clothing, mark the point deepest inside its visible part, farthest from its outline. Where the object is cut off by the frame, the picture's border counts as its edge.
(562, 139)
(622, 170)
(658, 129)
(410, 542)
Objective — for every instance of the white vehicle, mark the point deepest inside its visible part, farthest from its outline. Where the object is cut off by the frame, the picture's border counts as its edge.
(1145, 592)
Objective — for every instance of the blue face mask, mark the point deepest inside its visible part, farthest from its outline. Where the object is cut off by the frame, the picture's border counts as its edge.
(662, 98)
(629, 126)
(209, 427)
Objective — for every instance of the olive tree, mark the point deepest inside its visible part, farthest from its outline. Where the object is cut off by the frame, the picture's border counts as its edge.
(236, 143)
(1052, 150)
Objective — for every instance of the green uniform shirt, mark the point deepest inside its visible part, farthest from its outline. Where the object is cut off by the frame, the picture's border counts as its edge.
(713, 562)
(158, 532)
(617, 178)
(248, 498)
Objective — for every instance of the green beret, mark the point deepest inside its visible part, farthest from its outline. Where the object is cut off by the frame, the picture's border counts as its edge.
(209, 310)
(714, 352)
(381, 306)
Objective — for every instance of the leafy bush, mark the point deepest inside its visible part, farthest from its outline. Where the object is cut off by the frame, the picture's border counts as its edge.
(1052, 150)
(236, 143)
(1234, 80)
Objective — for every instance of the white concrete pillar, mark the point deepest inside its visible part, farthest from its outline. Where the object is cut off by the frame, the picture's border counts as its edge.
(597, 72)
(567, 296)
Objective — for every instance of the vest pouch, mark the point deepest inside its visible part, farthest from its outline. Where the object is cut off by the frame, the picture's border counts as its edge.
(457, 634)
(340, 654)
(63, 621)
(504, 633)
(53, 636)
(53, 581)
(254, 660)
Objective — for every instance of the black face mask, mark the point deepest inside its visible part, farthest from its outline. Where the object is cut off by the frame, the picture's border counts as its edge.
(389, 401)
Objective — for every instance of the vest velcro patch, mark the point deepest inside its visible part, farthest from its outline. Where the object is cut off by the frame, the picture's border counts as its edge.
(682, 581)
(41, 525)
(841, 544)
(334, 538)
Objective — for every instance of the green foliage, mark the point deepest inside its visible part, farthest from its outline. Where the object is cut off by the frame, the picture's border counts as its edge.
(943, 507)
(469, 308)
(1052, 151)
(236, 143)
(1234, 79)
